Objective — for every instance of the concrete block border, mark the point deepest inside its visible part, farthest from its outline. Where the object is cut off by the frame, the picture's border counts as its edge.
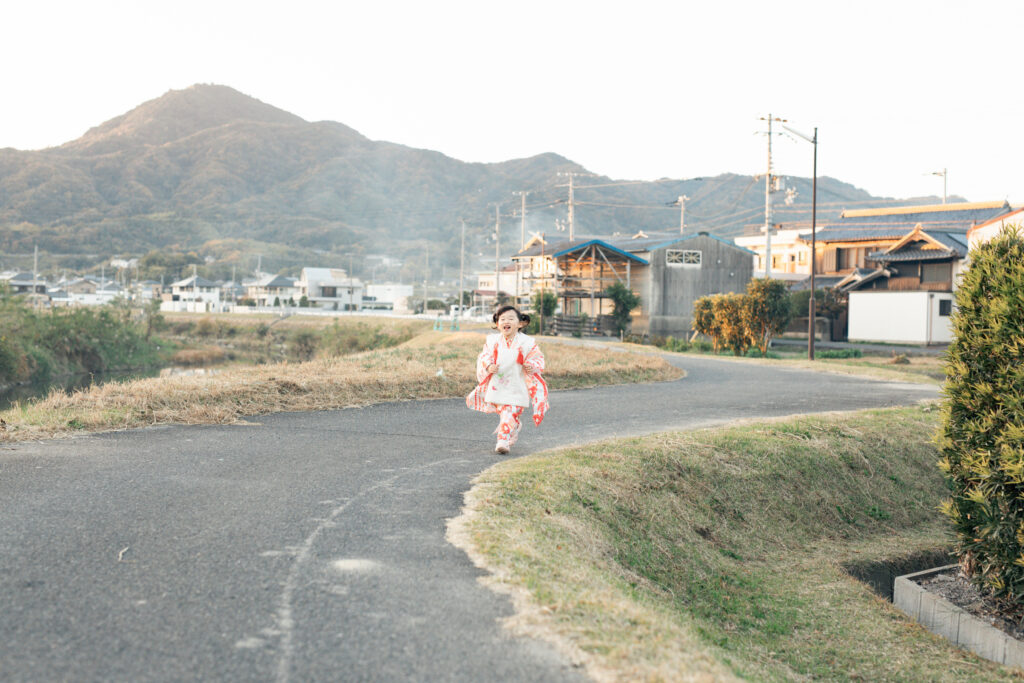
(956, 625)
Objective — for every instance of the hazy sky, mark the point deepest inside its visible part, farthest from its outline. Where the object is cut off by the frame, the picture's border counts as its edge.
(630, 89)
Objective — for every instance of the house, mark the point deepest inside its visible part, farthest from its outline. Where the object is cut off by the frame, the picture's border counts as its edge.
(983, 232)
(330, 288)
(668, 271)
(509, 284)
(791, 252)
(846, 244)
(270, 288)
(388, 296)
(908, 296)
(23, 283)
(194, 294)
(87, 291)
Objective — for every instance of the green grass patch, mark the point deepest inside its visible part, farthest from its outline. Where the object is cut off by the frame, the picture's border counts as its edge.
(719, 552)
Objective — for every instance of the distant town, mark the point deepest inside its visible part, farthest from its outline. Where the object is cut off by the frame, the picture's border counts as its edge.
(893, 269)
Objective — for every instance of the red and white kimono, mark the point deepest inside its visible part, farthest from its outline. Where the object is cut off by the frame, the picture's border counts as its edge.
(509, 390)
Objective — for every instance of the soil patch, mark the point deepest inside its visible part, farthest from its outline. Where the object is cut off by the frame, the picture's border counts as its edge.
(957, 589)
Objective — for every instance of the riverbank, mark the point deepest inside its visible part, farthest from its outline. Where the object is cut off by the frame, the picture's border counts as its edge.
(718, 554)
(432, 365)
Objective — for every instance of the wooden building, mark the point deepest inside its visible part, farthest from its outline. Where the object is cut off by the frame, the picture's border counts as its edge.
(668, 272)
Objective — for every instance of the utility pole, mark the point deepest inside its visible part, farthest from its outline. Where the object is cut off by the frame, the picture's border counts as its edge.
(35, 277)
(682, 213)
(426, 276)
(543, 276)
(497, 254)
(572, 202)
(522, 220)
(522, 237)
(462, 264)
(768, 183)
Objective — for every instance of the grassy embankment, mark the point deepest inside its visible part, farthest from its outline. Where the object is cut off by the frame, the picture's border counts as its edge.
(717, 554)
(432, 365)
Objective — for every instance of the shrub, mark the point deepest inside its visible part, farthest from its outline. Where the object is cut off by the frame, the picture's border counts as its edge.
(982, 434)
(624, 300)
(728, 312)
(766, 311)
(704, 321)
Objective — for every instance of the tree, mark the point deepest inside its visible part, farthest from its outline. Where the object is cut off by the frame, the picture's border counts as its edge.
(624, 300)
(704, 321)
(728, 312)
(766, 311)
(982, 434)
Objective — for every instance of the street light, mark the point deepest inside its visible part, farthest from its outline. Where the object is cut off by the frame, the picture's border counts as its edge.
(814, 229)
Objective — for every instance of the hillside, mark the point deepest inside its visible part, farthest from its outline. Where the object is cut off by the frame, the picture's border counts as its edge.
(208, 164)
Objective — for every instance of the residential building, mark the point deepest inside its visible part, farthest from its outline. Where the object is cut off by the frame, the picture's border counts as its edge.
(983, 232)
(905, 294)
(23, 283)
(273, 288)
(791, 252)
(668, 271)
(195, 294)
(388, 296)
(330, 288)
(509, 284)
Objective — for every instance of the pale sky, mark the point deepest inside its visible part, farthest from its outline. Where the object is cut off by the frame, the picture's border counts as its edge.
(631, 89)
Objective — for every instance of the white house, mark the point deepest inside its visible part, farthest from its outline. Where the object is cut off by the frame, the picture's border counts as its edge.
(194, 294)
(791, 252)
(388, 296)
(330, 288)
(984, 232)
(271, 288)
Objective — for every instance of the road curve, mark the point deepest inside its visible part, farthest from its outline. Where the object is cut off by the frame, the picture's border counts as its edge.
(310, 546)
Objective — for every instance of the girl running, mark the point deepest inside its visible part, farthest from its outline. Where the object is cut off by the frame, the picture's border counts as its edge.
(509, 371)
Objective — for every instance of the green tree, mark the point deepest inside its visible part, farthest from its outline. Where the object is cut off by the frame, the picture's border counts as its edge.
(982, 434)
(704, 321)
(624, 300)
(766, 311)
(728, 312)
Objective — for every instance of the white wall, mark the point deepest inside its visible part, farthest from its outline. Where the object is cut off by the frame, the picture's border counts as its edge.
(900, 317)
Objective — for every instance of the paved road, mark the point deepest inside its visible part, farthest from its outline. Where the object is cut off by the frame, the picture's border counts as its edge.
(309, 546)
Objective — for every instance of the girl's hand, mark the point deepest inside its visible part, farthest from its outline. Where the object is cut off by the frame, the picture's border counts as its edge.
(528, 369)
(492, 368)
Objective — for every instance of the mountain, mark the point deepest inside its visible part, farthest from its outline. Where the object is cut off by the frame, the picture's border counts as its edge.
(208, 165)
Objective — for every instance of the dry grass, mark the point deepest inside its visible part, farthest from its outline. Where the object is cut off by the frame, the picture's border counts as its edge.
(717, 554)
(435, 365)
(204, 356)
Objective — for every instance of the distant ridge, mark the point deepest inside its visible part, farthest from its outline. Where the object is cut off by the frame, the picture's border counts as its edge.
(207, 164)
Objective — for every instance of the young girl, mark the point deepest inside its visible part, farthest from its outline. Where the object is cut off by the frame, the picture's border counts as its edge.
(509, 370)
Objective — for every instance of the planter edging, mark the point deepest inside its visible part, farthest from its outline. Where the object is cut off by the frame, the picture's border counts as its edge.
(943, 618)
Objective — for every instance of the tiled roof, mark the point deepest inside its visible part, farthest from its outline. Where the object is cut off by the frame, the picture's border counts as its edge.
(913, 254)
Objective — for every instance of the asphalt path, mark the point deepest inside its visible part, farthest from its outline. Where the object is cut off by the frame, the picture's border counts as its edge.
(310, 546)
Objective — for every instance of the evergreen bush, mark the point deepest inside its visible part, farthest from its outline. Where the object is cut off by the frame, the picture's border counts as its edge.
(982, 434)
(728, 312)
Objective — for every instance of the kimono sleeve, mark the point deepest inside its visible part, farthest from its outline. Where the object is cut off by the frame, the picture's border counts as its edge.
(534, 359)
(485, 358)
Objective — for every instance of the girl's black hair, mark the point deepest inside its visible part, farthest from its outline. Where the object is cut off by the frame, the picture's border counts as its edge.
(523, 317)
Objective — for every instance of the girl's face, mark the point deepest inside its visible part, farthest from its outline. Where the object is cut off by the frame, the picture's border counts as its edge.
(508, 323)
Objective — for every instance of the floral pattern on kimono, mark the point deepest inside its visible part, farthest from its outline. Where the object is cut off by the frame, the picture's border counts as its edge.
(528, 354)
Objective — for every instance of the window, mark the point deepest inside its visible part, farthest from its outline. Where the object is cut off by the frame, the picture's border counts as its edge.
(936, 272)
(945, 307)
(330, 292)
(683, 257)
